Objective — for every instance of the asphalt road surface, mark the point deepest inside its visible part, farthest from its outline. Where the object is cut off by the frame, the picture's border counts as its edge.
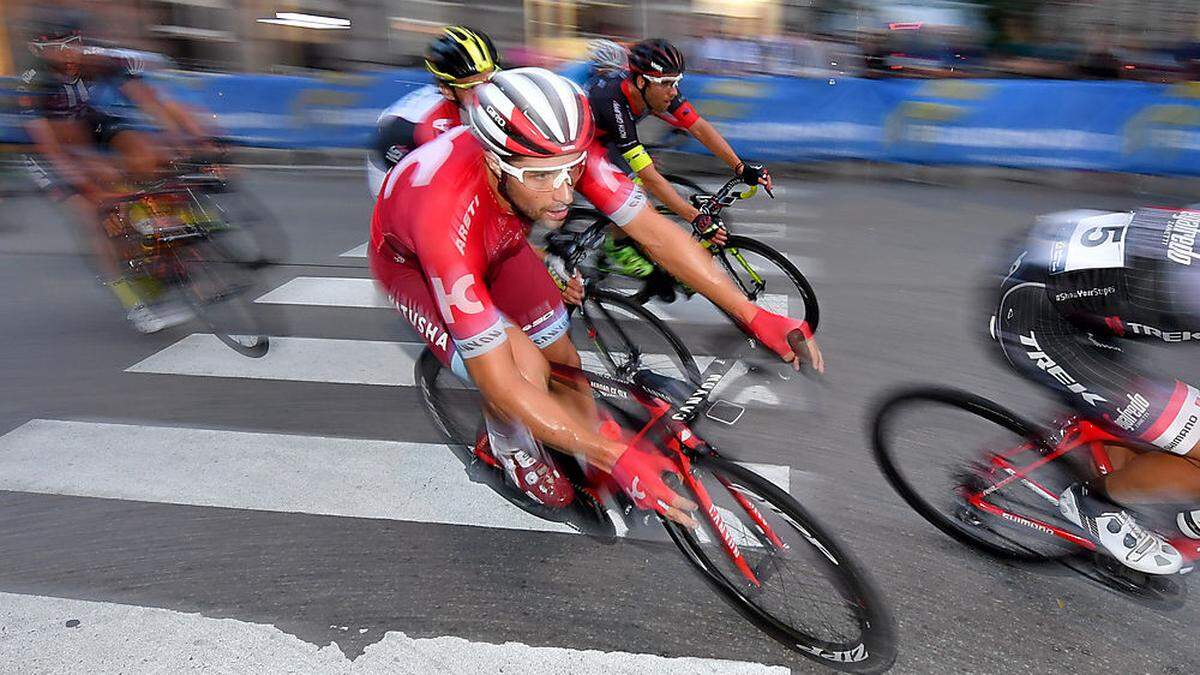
(166, 504)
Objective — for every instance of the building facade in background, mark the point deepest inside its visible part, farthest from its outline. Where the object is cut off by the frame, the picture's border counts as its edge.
(230, 34)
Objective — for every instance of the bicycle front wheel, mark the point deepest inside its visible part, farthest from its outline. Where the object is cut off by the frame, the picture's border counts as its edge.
(215, 288)
(625, 338)
(769, 279)
(941, 449)
(798, 584)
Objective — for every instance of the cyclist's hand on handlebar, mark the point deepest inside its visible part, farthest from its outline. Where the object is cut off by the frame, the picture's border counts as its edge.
(707, 227)
(753, 173)
(639, 473)
(573, 293)
(791, 339)
(568, 281)
(809, 351)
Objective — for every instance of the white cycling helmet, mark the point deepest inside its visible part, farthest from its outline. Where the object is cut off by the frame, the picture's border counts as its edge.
(531, 112)
(608, 55)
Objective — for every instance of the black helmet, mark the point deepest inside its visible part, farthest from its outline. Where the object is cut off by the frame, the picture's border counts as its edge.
(460, 52)
(57, 27)
(656, 57)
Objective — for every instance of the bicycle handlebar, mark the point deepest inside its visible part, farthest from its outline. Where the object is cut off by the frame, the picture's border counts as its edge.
(571, 247)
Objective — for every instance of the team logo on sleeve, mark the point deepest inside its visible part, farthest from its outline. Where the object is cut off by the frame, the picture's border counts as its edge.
(1180, 237)
(456, 297)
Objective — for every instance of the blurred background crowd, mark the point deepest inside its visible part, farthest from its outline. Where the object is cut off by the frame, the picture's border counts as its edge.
(1070, 39)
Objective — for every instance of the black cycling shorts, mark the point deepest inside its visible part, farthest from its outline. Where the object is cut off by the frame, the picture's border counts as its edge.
(1092, 373)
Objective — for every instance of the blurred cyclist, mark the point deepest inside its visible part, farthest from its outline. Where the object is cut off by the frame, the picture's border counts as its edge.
(460, 59)
(1086, 282)
(448, 245)
(621, 98)
(85, 155)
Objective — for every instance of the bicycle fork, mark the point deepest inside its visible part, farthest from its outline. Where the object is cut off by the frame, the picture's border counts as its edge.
(683, 437)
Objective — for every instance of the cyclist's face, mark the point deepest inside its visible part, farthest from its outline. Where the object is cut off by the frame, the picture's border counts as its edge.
(659, 96)
(463, 91)
(547, 207)
(64, 58)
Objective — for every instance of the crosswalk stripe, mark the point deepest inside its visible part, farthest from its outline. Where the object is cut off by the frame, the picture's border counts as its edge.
(109, 637)
(392, 480)
(363, 293)
(304, 359)
(359, 251)
(328, 292)
(295, 359)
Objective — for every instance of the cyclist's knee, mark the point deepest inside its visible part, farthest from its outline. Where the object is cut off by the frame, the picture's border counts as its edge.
(532, 365)
(140, 157)
(563, 351)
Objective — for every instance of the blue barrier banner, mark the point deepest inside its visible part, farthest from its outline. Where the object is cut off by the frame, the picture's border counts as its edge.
(1109, 126)
(274, 111)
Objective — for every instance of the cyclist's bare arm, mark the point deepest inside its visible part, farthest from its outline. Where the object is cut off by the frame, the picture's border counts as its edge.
(664, 192)
(172, 116)
(703, 131)
(688, 262)
(504, 387)
(509, 392)
(66, 146)
(712, 139)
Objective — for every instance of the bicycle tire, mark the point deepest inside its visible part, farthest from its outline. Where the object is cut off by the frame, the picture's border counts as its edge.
(226, 311)
(595, 310)
(586, 514)
(948, 524)
(812, 309)
(872, 650)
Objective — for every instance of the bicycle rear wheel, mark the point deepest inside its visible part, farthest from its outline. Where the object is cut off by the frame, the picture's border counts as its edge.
(935, 447)
(811, 595)
(215, 288)
(456, 408)
(626, 338)
(769, 279)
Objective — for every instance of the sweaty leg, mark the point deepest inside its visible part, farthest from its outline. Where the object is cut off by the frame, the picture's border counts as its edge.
(525, 293)
(577, 396)
(141, 158)
(1157, 477)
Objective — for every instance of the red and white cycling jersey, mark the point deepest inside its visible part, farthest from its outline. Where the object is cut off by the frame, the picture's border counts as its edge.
(437, 212)
(407, 124)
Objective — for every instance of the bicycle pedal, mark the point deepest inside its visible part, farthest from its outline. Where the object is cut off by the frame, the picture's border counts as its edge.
(725, 412)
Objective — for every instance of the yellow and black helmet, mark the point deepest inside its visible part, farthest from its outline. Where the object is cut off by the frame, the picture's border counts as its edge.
(460, 52)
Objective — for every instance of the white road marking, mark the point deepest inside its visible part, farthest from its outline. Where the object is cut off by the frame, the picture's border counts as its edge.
(392, 480)
(61, 635)
(700, 311)
(295, 359)
(359, 251)
(301, 359)
(328, 292)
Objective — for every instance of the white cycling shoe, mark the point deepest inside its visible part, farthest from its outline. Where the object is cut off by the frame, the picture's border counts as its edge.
(148, 319)
(522, 458)
(1117, 532)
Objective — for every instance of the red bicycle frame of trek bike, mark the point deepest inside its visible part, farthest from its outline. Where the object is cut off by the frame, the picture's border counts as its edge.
(680, 444)
(1078, 434)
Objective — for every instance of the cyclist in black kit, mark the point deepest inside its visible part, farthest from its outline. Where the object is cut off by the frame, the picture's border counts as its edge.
(1085, 281)
(619, 99)
(84, 154)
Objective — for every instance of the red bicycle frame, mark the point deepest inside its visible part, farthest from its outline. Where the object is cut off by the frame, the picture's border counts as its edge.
(679, 446)
(1077, 433)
